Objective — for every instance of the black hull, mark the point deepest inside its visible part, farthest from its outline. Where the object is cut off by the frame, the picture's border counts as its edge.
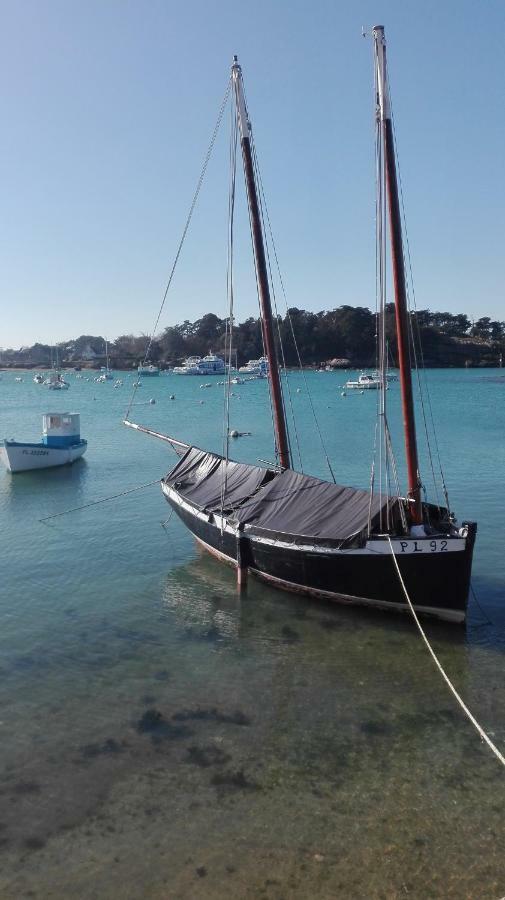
(438, 584)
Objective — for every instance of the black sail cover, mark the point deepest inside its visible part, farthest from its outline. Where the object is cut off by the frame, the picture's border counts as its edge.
(284, 504)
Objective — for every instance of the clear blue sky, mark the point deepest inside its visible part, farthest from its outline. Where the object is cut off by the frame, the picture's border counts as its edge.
(107, 107)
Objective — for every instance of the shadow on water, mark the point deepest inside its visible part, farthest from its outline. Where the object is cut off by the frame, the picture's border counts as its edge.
(62, 485)
(203, 592)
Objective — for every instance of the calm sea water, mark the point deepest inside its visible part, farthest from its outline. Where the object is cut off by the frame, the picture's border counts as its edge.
(164, 737)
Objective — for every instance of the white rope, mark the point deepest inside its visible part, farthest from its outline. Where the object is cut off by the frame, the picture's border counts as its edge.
(451, 687)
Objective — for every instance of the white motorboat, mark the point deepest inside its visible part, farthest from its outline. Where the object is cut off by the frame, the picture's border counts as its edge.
(61, 444)
(190, 366)
(365, 383)
(257, 367)
(202, 365)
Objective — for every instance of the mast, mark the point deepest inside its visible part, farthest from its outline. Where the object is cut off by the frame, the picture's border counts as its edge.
(401, 311)
(281, 433)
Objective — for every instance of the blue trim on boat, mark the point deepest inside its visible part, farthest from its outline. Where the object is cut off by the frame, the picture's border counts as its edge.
(63, 440)
(43, 446)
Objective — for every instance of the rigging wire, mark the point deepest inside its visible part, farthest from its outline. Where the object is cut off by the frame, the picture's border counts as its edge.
(101, 500)
(184, 233)
(408, 260)
(261, 199)
(295, 342)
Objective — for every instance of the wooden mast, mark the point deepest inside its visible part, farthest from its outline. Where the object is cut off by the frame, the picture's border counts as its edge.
(281, 433)
(401, 311)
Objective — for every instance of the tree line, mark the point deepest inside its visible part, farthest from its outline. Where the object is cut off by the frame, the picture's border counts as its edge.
(345, 333)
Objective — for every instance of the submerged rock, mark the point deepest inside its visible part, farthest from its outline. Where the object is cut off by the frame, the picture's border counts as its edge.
(153, 722)
(234, 781)
(212, 715)
(207, 756)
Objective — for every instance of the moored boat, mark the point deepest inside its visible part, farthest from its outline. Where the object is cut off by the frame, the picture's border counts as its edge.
(201, 365)
(257, 367)
(365, 382)
(148, 370)
(61, 444)
(305, 534)
(106, 372)
(56, 382)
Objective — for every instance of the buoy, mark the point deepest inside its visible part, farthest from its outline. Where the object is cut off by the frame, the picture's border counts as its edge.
(343, 394)
(172, 397)
(234, 433)
(298, 390)
(152, 400)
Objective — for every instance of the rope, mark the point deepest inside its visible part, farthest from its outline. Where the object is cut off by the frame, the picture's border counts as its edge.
(476, 600)
(408, 259)
(295, 342)
(262, 204)
(101, 500)
(451, 687)
(184, 232)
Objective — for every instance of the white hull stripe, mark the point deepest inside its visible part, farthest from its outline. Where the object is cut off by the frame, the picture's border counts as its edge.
(373, 547)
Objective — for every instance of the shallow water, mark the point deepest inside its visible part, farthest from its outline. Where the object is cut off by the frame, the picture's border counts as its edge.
(162, 736)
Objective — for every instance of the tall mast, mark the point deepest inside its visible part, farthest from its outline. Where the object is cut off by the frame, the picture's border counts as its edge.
(281, 434)
(401, 311)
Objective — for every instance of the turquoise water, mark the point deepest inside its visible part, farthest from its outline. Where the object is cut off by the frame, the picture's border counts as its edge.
(162, 736)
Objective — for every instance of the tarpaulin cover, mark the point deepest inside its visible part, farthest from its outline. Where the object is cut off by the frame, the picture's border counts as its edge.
(286, 503)
(298, 505)
(199, 477)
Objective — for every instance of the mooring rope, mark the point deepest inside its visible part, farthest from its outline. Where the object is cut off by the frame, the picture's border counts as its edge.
(101, 500)
(439, 666)
(183, 235)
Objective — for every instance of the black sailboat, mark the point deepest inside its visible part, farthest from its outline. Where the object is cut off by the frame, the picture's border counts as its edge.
(308, 535)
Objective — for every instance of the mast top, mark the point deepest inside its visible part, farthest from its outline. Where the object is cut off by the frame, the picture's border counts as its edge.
(243, 119)
(384, 106)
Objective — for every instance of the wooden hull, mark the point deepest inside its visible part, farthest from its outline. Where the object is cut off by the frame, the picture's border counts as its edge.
(437, 582)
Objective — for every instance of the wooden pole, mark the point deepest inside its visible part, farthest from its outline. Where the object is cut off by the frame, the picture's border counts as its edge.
(401, 310)
(281, 433)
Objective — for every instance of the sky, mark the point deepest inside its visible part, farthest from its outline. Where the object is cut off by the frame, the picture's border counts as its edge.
(107, 107)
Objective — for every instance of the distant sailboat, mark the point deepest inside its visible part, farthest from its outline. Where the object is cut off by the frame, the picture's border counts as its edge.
(55, 381)
(106, 375)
